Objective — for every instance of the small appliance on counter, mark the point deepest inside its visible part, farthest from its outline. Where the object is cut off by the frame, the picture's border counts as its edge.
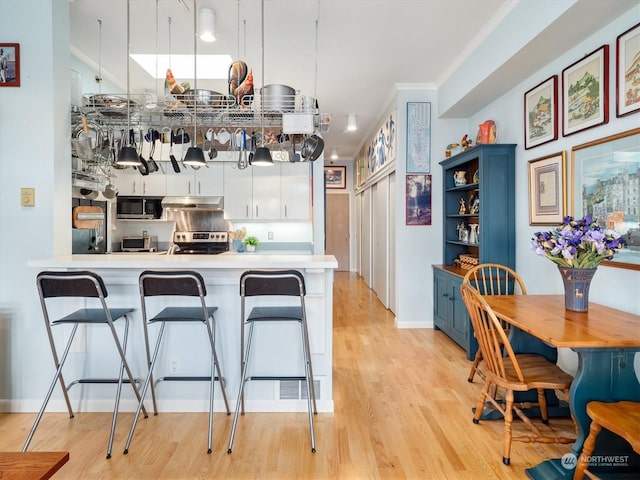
(139, 243)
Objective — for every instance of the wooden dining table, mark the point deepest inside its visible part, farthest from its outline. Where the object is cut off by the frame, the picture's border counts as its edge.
(31, 465)
(606, 341)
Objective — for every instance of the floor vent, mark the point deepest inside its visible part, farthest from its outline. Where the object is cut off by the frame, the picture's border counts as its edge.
(297, 390)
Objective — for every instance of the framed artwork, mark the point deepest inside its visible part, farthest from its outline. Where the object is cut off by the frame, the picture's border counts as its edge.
(585, 87)
(418, 199)
(418, 137)
(541, 113)
(9, 64)
(548, 189)
(381, 150)
(335, 177)
(605, 185)
(628, 71)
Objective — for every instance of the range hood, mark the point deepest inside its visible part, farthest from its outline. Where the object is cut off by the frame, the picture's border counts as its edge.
(215, 203)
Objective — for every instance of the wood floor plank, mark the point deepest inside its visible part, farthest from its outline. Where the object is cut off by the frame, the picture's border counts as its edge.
(402, 411)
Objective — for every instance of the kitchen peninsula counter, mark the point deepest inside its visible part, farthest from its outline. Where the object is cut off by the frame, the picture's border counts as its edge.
(278, 353)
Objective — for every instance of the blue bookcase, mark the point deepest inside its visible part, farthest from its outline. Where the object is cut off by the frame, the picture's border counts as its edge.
(489, 173)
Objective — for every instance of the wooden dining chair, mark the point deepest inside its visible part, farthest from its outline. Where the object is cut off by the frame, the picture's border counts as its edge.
(493, 279)
(621, 418)
(511, 372)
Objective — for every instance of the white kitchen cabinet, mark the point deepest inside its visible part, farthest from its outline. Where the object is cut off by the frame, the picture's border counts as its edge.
(252, 193)
(203, 182)
(296, 191)
(131, 182)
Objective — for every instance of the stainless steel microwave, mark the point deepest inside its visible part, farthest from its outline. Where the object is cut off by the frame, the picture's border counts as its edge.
(145, 208)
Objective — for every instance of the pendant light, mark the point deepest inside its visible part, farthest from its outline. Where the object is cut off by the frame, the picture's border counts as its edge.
(195, 155)
(262, 155)
(128, 156)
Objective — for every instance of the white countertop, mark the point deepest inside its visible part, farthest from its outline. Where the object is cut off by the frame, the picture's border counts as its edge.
(158, 260)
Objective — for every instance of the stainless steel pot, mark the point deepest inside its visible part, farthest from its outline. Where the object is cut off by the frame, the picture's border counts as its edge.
(280, 98)
(202, 97)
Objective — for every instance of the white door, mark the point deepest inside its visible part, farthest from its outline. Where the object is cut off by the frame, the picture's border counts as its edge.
(380, 243)
(365, 235)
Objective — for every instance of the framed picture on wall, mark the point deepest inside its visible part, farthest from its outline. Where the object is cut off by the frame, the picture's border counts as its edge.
(605, 186)
(9, 64)
(418, 199)
(585, 87)
(541, 113)
(547, 189)
(335, 177)
(418, 137)
(628, 71)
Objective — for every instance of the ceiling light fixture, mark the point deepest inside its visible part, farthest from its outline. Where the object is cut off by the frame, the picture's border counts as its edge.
(334, 154)
(352, 126)
(262, 155)
(195, 155)
(207, 25)
(128, 156)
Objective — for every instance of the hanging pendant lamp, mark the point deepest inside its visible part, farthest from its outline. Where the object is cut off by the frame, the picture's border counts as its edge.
(262, 155)
(128, 156)
(195, 155)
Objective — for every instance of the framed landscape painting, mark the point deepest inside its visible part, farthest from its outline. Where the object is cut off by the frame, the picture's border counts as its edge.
(335, 177)
(585, 87)
(418, 199)
(628, 71)
(541, 113)
(605, 185)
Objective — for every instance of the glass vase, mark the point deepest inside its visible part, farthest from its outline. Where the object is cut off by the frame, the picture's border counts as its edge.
(576, 287)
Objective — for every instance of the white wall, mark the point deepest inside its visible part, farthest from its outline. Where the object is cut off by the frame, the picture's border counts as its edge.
(34, 128)
(615, 287)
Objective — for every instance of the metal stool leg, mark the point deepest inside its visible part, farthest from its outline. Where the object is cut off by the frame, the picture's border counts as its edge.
(243, 381)
(56, 377)
(148, 353)
(144, 388)
(212, 336)
(311, 397)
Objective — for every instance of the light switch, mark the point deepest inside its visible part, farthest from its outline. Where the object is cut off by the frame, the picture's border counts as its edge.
(28, 197)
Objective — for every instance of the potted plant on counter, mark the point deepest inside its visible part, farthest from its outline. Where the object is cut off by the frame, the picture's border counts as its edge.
(250, 243)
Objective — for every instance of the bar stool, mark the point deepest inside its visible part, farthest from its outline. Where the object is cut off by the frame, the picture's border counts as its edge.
(82, 284)
(177, 283)
(255, 283)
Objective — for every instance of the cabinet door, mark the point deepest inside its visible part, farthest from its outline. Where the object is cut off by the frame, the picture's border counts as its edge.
(128, 181)
(238, 192)
(296, 191)
(179, 184)
(266, 192)
(441, 303)
(210, 180)
(460, 322)
(154, 184)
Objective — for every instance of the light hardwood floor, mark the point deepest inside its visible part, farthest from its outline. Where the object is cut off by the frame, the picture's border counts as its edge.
(402, 410)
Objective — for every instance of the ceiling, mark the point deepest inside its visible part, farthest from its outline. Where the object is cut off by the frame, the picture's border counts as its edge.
(349, 54)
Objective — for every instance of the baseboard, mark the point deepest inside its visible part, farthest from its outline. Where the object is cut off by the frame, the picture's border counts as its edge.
(413, 324)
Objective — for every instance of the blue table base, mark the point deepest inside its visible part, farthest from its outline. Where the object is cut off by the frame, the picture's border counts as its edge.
(606, 375)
